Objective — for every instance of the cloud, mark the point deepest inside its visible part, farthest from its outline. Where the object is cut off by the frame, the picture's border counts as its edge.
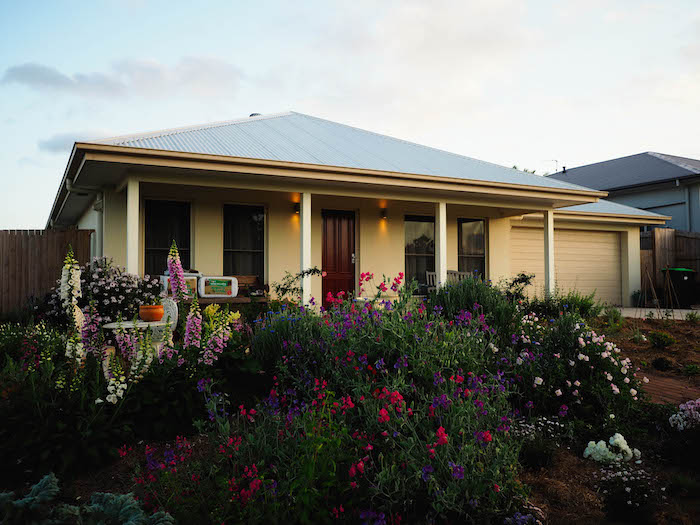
(63, 142)
(190, 76)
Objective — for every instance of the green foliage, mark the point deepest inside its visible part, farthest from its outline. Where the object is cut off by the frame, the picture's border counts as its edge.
(692, 317)
(638, 336)
(691, 370)
(500, 313)
(290, 286)
(613, 319)
(553, 305)
(514, 288)
(39, 506)
(661, 340)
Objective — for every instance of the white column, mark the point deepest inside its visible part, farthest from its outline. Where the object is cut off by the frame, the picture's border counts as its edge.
(305, 249)
(132, 226)
(441, 243)
(549, 284)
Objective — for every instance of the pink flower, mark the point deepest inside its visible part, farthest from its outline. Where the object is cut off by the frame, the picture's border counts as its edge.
(383, 416)
(442, 436)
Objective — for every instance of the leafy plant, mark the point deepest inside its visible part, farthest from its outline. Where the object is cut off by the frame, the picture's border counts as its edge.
(692, 317)
(39, 506)
(638, 336)
(691, 370)
(661, 340)
(613, 319)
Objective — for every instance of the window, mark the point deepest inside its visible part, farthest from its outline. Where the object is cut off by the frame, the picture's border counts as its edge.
(420, 249)
(471, 252)
(166, 221)
(244, 241)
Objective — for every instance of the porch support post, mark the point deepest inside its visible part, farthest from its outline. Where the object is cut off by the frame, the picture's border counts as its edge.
(441, 243)
(305, 248)
(549, 284)
(132, 226)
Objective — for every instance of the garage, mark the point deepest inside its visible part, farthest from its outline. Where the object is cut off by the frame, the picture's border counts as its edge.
(584, 260)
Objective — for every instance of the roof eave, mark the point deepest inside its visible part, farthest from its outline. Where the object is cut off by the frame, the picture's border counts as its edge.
(592, 195)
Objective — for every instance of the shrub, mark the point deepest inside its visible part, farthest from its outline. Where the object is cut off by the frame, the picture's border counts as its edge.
(661, 340)
(565, 367)
(638, 337)
(454, 299)
(114, 292)
(613, 319)
(629, 492)
(39, 506)
(553, 305)
(692, 317)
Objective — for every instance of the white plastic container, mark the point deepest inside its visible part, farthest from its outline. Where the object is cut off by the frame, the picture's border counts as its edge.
(218, 286)
(190, 280)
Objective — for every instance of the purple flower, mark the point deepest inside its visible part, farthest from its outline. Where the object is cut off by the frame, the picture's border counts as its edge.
(457, 470)
(427, 471)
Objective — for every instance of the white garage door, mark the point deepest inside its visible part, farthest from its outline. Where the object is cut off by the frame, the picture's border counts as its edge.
(586, 261)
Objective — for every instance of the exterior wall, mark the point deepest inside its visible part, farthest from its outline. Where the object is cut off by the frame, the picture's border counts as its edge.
(89, 221)
(682, 203)
(114, 243)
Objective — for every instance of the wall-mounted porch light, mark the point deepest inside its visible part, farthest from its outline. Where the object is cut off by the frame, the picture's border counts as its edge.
(297, 207)
(383, 213)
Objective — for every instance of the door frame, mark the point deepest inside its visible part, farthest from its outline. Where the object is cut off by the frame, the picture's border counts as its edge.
(354, 213)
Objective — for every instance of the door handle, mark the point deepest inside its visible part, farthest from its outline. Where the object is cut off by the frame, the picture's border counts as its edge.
(353, 258)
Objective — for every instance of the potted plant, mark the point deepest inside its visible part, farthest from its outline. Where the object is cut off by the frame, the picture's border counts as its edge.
(152, 312)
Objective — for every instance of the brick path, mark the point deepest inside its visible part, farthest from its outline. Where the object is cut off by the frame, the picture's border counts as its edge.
(663, 389)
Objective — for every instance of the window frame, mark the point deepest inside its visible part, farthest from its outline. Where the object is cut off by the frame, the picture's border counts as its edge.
(462, 256)
(188, 250)
(224, 250)
(422, 286)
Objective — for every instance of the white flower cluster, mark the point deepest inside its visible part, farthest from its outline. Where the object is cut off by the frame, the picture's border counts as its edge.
(621, 451)
(688, 416)
(70, 286)
(75, 348)
(116, 389)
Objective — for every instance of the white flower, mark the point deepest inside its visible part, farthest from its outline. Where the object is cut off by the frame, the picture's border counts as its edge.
(577, 383)
(612, 416)
(633, 391)
(98, 401)
(646, 379)
(558, 392)
(538, 381)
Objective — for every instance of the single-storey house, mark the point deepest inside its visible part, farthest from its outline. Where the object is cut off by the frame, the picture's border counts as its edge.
(274, 193)
(657, 182)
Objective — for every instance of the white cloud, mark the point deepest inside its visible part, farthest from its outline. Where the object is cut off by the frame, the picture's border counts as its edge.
(190, 76)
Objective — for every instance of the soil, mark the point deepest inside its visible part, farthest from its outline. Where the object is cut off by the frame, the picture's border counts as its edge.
(564, 493)
(683, 355)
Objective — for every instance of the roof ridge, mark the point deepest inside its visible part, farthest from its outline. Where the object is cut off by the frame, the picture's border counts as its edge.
(185, 129)
(423, 146)
(666, 158)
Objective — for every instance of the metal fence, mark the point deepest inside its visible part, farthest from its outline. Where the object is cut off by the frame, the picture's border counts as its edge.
(31, 260)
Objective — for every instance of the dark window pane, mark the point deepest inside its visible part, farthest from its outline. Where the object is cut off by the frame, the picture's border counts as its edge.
(471, 237)
(166, 221)
(244, 241)
(419, 249)
(471, 249)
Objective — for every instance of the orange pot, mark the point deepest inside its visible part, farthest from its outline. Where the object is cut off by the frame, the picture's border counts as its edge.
(151, 312)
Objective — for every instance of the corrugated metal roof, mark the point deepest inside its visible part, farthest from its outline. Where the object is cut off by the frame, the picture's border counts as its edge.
(635, 170)
(605, 207)
(294, 137)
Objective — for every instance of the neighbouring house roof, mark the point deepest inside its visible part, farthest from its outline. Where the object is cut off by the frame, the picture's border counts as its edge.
(634, 170)
(299, 138)
(605, 207)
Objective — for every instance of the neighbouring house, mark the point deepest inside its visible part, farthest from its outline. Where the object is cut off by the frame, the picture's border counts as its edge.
(656, 182)
(267, 194)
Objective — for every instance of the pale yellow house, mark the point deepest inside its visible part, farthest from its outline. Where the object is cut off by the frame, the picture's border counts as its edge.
(275, 193)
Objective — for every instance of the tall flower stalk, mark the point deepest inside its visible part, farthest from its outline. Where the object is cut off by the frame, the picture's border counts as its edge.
(193, 326)
(70, 284)
(177, 274)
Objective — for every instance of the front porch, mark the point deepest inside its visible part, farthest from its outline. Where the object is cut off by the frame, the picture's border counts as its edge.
(343, 232)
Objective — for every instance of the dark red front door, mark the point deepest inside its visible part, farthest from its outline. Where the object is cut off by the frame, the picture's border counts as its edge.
(338, 253)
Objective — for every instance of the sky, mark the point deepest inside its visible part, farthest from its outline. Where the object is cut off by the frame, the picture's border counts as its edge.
(539, 84)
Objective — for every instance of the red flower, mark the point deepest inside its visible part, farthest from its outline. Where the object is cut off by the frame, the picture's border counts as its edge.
(383, 416)
(442, 436)
(496, 488)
